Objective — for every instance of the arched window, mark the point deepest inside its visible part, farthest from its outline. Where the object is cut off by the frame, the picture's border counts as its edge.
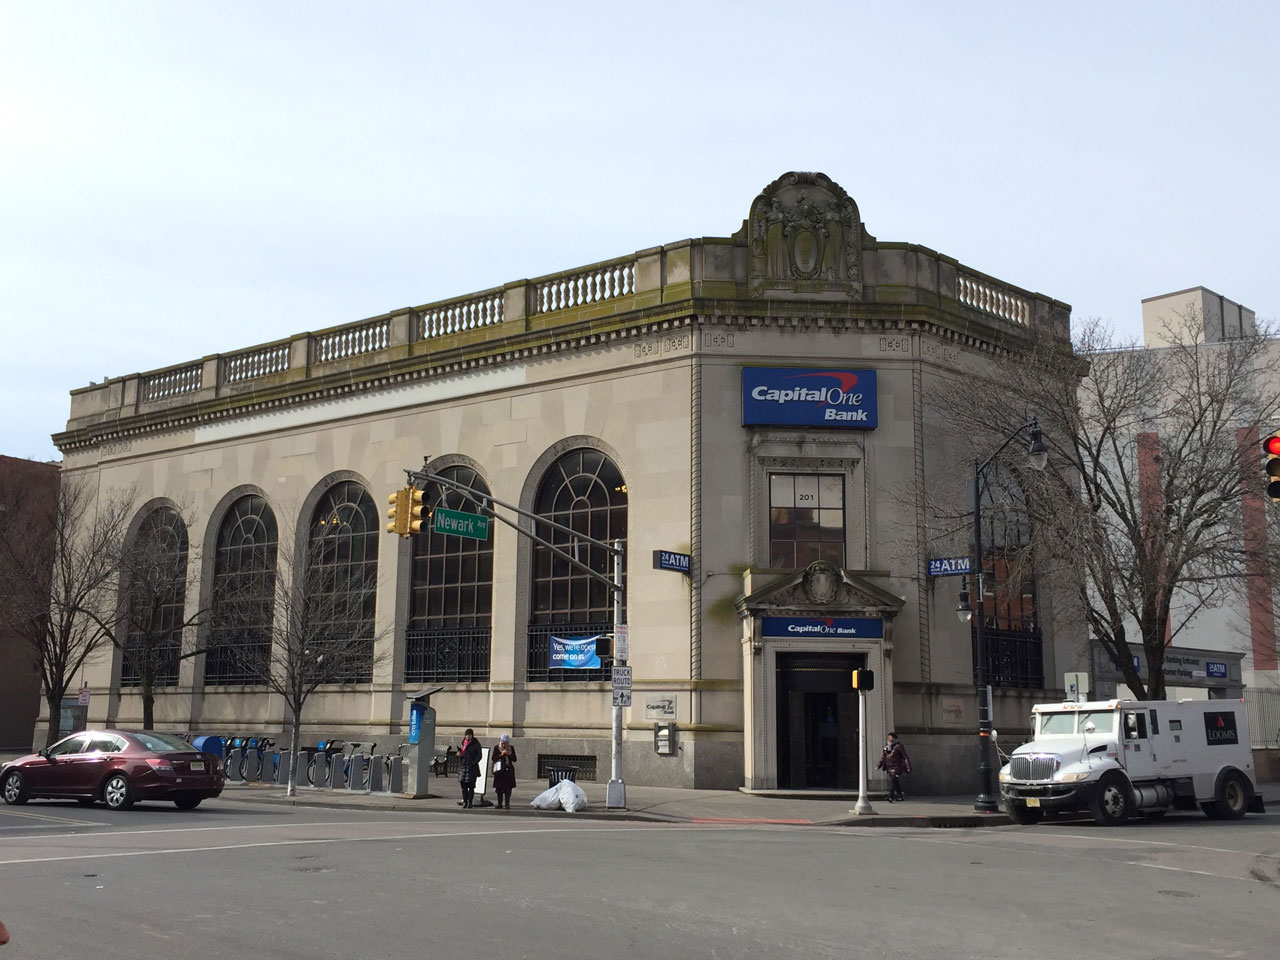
(155, 569)
(1014, 652)
(340, 580)
(451, 595)
(244, 588)
(584, 491)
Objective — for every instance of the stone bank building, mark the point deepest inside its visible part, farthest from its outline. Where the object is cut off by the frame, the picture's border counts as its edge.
(755, 402)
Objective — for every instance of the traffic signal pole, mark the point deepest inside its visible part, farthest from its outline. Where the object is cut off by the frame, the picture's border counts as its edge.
(863, 806)
(405, 514)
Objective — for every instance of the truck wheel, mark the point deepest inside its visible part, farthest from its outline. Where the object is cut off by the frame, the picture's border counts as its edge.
(1112, 803)
(1020, 813)
(1232, 799)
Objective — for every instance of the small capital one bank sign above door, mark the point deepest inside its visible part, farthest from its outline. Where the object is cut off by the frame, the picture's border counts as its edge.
(800, 396)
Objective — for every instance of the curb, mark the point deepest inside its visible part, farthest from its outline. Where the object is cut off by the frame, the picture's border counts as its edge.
(935, 821)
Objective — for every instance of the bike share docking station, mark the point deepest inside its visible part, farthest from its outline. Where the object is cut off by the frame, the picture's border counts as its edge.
(422, 740)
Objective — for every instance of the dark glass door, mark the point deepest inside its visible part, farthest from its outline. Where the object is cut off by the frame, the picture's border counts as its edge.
(817, 721)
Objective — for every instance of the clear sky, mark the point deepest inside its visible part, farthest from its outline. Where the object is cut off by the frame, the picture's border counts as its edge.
(181, 179)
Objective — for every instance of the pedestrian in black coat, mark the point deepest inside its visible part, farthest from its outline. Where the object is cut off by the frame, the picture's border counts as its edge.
(896, 764)
(504, 770)
(468, 766)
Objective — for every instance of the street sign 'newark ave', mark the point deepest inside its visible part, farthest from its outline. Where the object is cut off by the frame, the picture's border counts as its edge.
(459, 524)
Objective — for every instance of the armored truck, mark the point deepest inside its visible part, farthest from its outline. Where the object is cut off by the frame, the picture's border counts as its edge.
(1126, 758)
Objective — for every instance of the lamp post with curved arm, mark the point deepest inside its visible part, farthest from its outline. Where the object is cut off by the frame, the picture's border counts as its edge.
(1037, 455)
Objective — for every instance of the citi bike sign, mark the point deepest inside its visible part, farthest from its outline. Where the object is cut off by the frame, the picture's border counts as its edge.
(796, 396)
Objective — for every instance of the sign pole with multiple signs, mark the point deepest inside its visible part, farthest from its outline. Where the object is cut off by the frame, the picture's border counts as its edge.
(615, 794)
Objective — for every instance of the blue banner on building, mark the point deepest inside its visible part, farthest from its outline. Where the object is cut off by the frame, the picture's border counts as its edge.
(948, 566)
(804, 397)
(574, 653)
(861, 628)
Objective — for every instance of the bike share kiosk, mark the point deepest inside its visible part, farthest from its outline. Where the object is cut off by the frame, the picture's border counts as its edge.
(422, 742)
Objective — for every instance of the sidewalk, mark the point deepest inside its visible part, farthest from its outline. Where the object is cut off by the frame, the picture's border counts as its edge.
(654, 804)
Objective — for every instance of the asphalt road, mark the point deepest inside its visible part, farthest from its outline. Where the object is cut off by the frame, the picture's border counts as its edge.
(243, 880)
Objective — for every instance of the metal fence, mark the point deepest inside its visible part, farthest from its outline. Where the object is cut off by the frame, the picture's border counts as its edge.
(540, 635)
(1264, 717)
(1015, 659)
(447, 656)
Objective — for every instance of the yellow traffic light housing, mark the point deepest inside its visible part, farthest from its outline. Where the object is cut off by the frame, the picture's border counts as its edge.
(399, 512)
(864, 679)
(416, 508)
(1271, 450)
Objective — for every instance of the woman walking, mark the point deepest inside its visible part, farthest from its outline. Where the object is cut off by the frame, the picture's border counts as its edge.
(504, 770)
(896, 764)
(468, 766)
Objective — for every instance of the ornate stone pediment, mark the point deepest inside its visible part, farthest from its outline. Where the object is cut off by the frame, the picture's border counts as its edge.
(820, 589)
(806, 239)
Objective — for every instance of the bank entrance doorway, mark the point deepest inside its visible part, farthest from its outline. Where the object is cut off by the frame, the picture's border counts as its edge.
(817, 721)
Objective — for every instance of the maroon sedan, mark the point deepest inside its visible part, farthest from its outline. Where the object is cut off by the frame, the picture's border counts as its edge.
(116, 767)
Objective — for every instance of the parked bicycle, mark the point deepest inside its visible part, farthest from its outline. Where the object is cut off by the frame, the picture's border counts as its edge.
(261, 745)
(326, 748)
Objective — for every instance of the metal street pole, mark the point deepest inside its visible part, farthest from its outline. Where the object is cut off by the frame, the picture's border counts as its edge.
(616, 791)
(863, 806)
(986, 801)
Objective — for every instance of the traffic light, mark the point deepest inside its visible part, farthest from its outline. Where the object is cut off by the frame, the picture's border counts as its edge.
(399, 512)
(1271, 450)
(864, 680)
(414, 524)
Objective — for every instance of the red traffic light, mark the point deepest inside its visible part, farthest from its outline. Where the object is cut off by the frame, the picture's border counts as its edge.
(1271, 445)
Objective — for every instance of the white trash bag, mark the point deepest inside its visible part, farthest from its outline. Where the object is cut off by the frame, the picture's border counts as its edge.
(572, 797)
(548, 799)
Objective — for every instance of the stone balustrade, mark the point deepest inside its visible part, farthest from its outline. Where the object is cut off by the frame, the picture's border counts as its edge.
(991, 298)
(257, 362)
(605, 281)
(895, 273)
(170, 382)
(455, 316)
(344, 343)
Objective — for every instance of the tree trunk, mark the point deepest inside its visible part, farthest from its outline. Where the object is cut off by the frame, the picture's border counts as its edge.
(148, 705)
(55, 719)
(295, 740)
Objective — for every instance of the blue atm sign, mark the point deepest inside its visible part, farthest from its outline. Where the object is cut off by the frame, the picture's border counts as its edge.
(796, 396)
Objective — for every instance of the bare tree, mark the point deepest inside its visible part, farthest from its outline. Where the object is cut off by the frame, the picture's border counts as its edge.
(157, 574)
(59, 577)
(299, 624)
(1151, 451)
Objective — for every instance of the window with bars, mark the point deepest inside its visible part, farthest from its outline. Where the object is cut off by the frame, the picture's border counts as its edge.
(244, 580)
(341, 579)
(156, 571)
(585, 492)
(451, 595)
(1012, 629)
(806, 520)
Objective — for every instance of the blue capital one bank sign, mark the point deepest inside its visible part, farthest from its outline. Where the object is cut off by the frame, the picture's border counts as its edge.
(796, 396)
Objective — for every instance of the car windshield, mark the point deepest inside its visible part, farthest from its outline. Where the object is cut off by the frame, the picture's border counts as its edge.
(158, 743)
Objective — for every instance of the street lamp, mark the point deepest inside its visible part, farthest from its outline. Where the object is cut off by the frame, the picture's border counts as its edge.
(1037, 457)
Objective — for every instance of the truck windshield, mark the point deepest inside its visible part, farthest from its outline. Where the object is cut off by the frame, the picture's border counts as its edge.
(1104, 721)
(1057, 724)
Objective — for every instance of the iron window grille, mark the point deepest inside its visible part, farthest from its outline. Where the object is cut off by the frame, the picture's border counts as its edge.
(585, 492)
(341, 578)
(451, 595)
(244, 583)
(447, 656)
(157, 572)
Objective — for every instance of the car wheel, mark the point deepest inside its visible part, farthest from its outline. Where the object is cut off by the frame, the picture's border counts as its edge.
(1233, 797)
(15, 788)
(1112, 803)
(1022, 814)
(187, 803)
(117, 793)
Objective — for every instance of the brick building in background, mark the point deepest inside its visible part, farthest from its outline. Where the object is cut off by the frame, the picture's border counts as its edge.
(19, 677)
